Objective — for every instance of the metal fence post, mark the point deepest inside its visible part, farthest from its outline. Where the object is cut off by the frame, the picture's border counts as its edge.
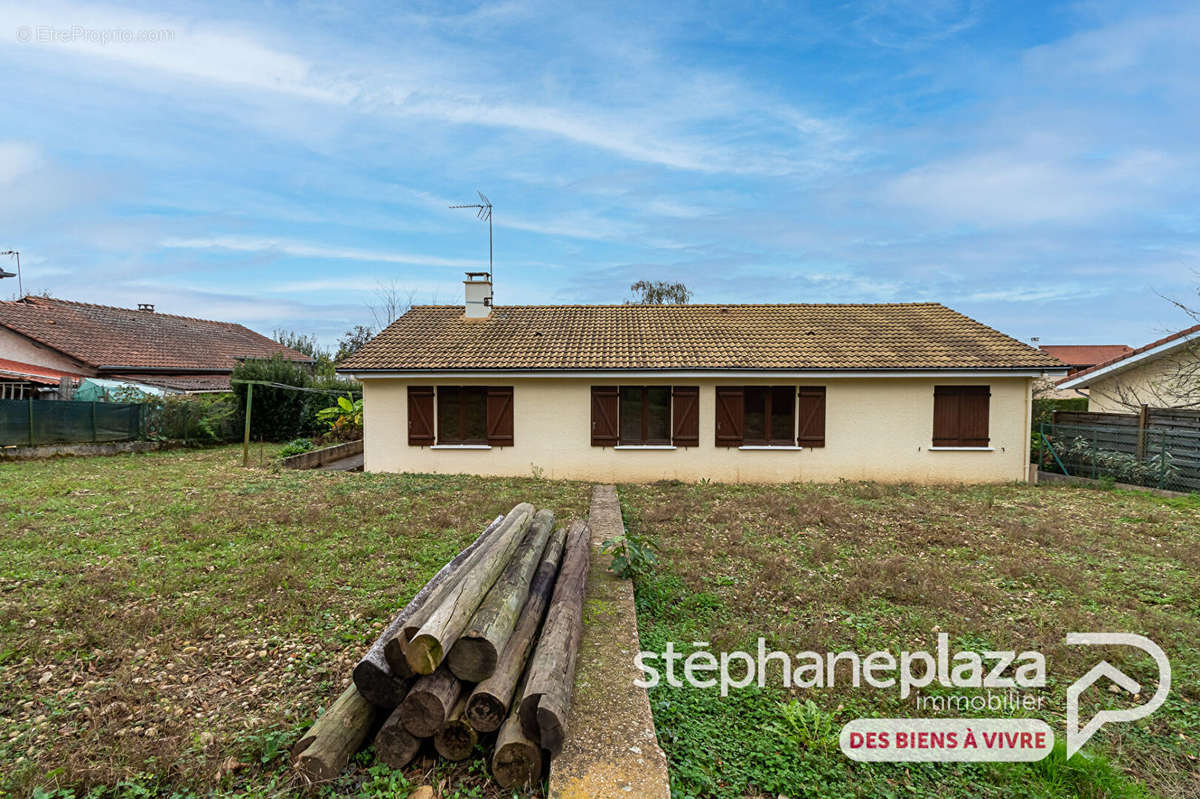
(31, 420)
(95, 438)
(1162, 459)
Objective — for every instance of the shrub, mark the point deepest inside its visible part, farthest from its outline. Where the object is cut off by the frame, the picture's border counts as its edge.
(295, 447)
(192, 418)
(1122, 467)
(631, 556)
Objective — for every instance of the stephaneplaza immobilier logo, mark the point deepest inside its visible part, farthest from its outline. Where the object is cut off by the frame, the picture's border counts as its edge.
(926, 739)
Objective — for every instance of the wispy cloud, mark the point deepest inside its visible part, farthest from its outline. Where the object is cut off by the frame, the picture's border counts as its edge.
(300, 249)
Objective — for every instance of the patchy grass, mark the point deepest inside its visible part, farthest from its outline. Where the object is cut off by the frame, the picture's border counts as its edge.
(170, 623)
(868, 567)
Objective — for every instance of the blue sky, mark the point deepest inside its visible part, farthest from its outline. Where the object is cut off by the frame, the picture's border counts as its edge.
(1036, 166)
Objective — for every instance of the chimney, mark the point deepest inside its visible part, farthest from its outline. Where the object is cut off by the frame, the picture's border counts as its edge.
(146, 306)
(479, 295)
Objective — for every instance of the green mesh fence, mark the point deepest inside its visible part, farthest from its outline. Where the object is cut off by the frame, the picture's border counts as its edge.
(34, 422)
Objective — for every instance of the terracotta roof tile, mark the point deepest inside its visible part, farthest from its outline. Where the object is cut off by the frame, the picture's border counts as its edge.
(104, 336)
(1084, 355)
(886, 336)
(1177, 336)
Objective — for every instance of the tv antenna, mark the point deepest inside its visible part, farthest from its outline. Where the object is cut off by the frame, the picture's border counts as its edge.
(483, 212)
(4, 273)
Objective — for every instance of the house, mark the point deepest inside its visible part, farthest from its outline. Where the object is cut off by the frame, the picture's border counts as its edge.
(893, 392)
(1077, 357)
(1162, 374)
(101, 347)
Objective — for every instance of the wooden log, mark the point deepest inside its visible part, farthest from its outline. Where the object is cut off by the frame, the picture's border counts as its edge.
(395, 746)
(327, 747)
(437, 636)
(488, 704)
(374, 675)
(475, 655)
(430, 702)
(456, 739)
(517, 759)
(393, 648)
(551, 671)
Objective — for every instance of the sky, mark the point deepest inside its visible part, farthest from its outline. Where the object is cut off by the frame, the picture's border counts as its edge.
(1035, 166)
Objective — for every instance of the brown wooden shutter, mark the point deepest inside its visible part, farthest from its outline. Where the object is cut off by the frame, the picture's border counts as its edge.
(685, 416)
(604, 416)
(960, 416)
(810, 409)
(730, 415)
(973, 416)
(420, 416)
(500, 416)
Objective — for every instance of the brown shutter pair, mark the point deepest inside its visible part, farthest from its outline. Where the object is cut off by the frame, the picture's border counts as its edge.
(960, 416)
(685, 415)
(731, 406)
(499, 416)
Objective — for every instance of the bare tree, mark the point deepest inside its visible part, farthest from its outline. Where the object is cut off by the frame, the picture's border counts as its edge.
(659, 292)
(391, 302)
(1171, 381)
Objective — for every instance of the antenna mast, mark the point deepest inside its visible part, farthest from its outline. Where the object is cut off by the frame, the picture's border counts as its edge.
(483, 212)
(20, 283)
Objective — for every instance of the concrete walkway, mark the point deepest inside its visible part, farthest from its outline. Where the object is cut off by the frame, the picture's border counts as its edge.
(611, 749)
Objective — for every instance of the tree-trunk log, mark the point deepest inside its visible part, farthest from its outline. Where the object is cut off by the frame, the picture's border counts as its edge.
(517, 759)
(437, 636)
(489, 702)
(547, 696)
(395, 746)
(477, 652)
(429, 703)
(374, 676)
(456, 739)
(330, 743)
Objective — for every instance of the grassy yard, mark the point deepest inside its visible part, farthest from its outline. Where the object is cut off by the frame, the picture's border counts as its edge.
(170, 623)
(865, 567)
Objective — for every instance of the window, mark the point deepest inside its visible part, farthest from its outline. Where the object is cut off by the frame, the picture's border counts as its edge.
(645, 413)
(466, 415)
(960, 416)
(770, 416)
(462, 415)
(645, 416)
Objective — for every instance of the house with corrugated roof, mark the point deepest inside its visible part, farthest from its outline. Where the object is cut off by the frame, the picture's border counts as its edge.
(49, 346)
(912, 392)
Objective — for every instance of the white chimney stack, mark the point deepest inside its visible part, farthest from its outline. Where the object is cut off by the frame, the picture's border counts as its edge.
(479, 295)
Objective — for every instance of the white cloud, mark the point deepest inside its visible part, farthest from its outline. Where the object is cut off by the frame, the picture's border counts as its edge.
(1015, 187)
(17, 159)
(301, 249)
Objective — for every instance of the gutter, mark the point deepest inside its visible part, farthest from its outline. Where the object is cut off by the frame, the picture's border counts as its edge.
(379, 374)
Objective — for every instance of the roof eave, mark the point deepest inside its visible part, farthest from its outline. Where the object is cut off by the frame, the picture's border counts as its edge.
(693, 372)
(1087, 377)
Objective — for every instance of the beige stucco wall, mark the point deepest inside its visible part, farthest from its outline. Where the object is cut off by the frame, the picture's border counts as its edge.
(1149, 383)
(876, 429)
(16, 347)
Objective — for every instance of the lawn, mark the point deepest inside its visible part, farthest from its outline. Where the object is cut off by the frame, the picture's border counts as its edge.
(170, 623)
(866, 567)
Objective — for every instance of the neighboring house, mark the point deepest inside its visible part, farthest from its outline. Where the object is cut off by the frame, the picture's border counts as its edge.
(896, 392)
(105, 347)
(27, 381)
(1162, 374)
(1077, 357)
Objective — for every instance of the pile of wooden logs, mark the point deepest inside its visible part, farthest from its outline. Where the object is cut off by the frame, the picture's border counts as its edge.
(484, 653)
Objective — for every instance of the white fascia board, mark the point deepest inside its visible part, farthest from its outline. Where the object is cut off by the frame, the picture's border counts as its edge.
(1125, 363)
(693, 374)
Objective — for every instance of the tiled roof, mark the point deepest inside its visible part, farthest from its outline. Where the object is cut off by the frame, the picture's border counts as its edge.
(891, 336)
(104, 336)
(176, 382)
(32, 373)
(1182, 337)
(1086, 354)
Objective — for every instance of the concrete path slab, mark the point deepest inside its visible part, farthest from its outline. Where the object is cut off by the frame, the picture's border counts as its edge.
(611, 748)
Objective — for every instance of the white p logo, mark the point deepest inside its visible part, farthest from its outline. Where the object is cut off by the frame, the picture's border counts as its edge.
(1076, 737)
